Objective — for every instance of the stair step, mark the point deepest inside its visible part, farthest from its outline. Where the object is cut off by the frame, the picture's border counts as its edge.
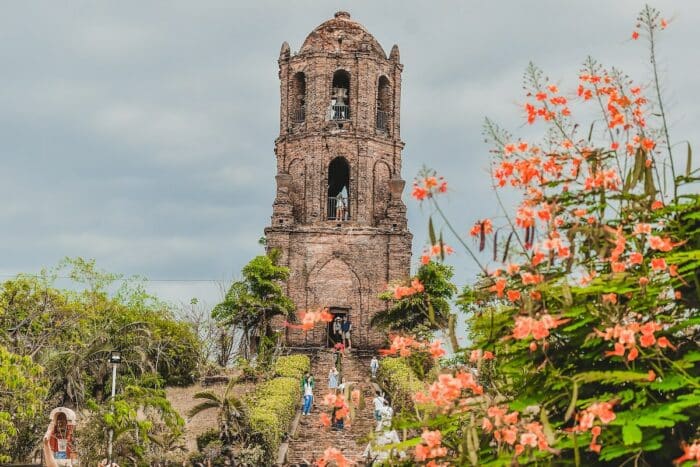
(311, 438)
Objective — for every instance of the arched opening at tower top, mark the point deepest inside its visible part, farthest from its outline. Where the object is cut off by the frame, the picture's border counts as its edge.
(383, 103)
(298, 97)
(340, 96)
(339, 189)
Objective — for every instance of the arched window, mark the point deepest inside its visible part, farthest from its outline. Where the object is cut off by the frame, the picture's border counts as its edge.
(383, 103)
(340, 96)
(338, 190)
(297, 96)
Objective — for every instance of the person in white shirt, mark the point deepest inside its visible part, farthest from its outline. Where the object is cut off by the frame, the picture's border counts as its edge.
(378, 456)
(378, 402)
(374, 366)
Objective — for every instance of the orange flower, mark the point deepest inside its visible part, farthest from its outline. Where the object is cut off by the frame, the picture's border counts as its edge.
(498, 287)
(636, 258)
(610, 298)
(325, 420)
(325, 316)
(513, 295)
(481, 227)
(417, 285)
(656, 205)
(661, 244)
(333, 456)
(635, 35)
(658, 264)
(642, 228)
(436, 350)
(690, 452)
(664, 342)
(419, 193)
(529, 278)
(618, 266)
(512, 268)
(595, 431)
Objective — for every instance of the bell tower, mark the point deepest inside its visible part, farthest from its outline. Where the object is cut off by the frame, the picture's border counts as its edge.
(338, 217)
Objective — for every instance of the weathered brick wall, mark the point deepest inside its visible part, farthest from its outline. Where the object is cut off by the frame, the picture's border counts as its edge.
(340, 263)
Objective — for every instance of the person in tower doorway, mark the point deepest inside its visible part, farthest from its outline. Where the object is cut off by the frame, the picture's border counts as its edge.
(340, 207)
(374, 366)
(307, 385)
(347, 330)
(337, 336)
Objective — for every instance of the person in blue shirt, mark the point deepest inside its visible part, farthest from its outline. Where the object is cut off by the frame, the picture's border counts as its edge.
(346, 328)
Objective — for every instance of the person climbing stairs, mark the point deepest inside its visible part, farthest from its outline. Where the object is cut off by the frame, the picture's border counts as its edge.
(311, 438)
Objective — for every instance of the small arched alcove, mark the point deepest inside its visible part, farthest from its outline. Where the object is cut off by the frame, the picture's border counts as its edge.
(383, 103)
(340, 96)
(297, 96)
(338, 190)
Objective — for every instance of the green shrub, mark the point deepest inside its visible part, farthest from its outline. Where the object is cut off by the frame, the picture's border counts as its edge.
(292, 366)
(207, 438)
(271, 409)
(399, 380)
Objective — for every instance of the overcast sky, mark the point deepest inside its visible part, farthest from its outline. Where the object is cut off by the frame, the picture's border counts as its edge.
(140, 133)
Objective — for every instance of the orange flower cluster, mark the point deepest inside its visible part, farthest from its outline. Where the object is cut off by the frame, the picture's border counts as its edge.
(439, 249)
(626, 337)
(479, 354)
(401, 291)
(447, 390)
(662, 244)
(338, 402)
(558, 105)
(333, 456)
(624, 106)
(690, 452)
(405, 345)
(608, 179)
(586, 419)
(506, 427)
(310, 318)
(428, 186)
(526, 326)
(430, 448)
(481, 228)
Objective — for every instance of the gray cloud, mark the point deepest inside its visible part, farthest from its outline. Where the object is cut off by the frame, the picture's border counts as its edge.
(141, 133)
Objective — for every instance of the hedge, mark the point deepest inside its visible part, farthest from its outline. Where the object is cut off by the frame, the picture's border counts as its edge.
(400, 381)
(271, 409)
(292, 366)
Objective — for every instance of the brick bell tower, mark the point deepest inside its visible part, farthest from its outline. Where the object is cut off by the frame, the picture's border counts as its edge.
(338, 217)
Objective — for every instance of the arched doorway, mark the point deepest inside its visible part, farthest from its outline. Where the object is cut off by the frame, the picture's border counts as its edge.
(338, 190)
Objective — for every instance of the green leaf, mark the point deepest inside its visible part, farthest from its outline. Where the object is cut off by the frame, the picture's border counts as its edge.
(610, 376)
(631, 434)
(689, 162)
(572, 404)
(669, 382)
(431, 231)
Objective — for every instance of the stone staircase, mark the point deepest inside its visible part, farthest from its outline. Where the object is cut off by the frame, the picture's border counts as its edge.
(310, 438)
